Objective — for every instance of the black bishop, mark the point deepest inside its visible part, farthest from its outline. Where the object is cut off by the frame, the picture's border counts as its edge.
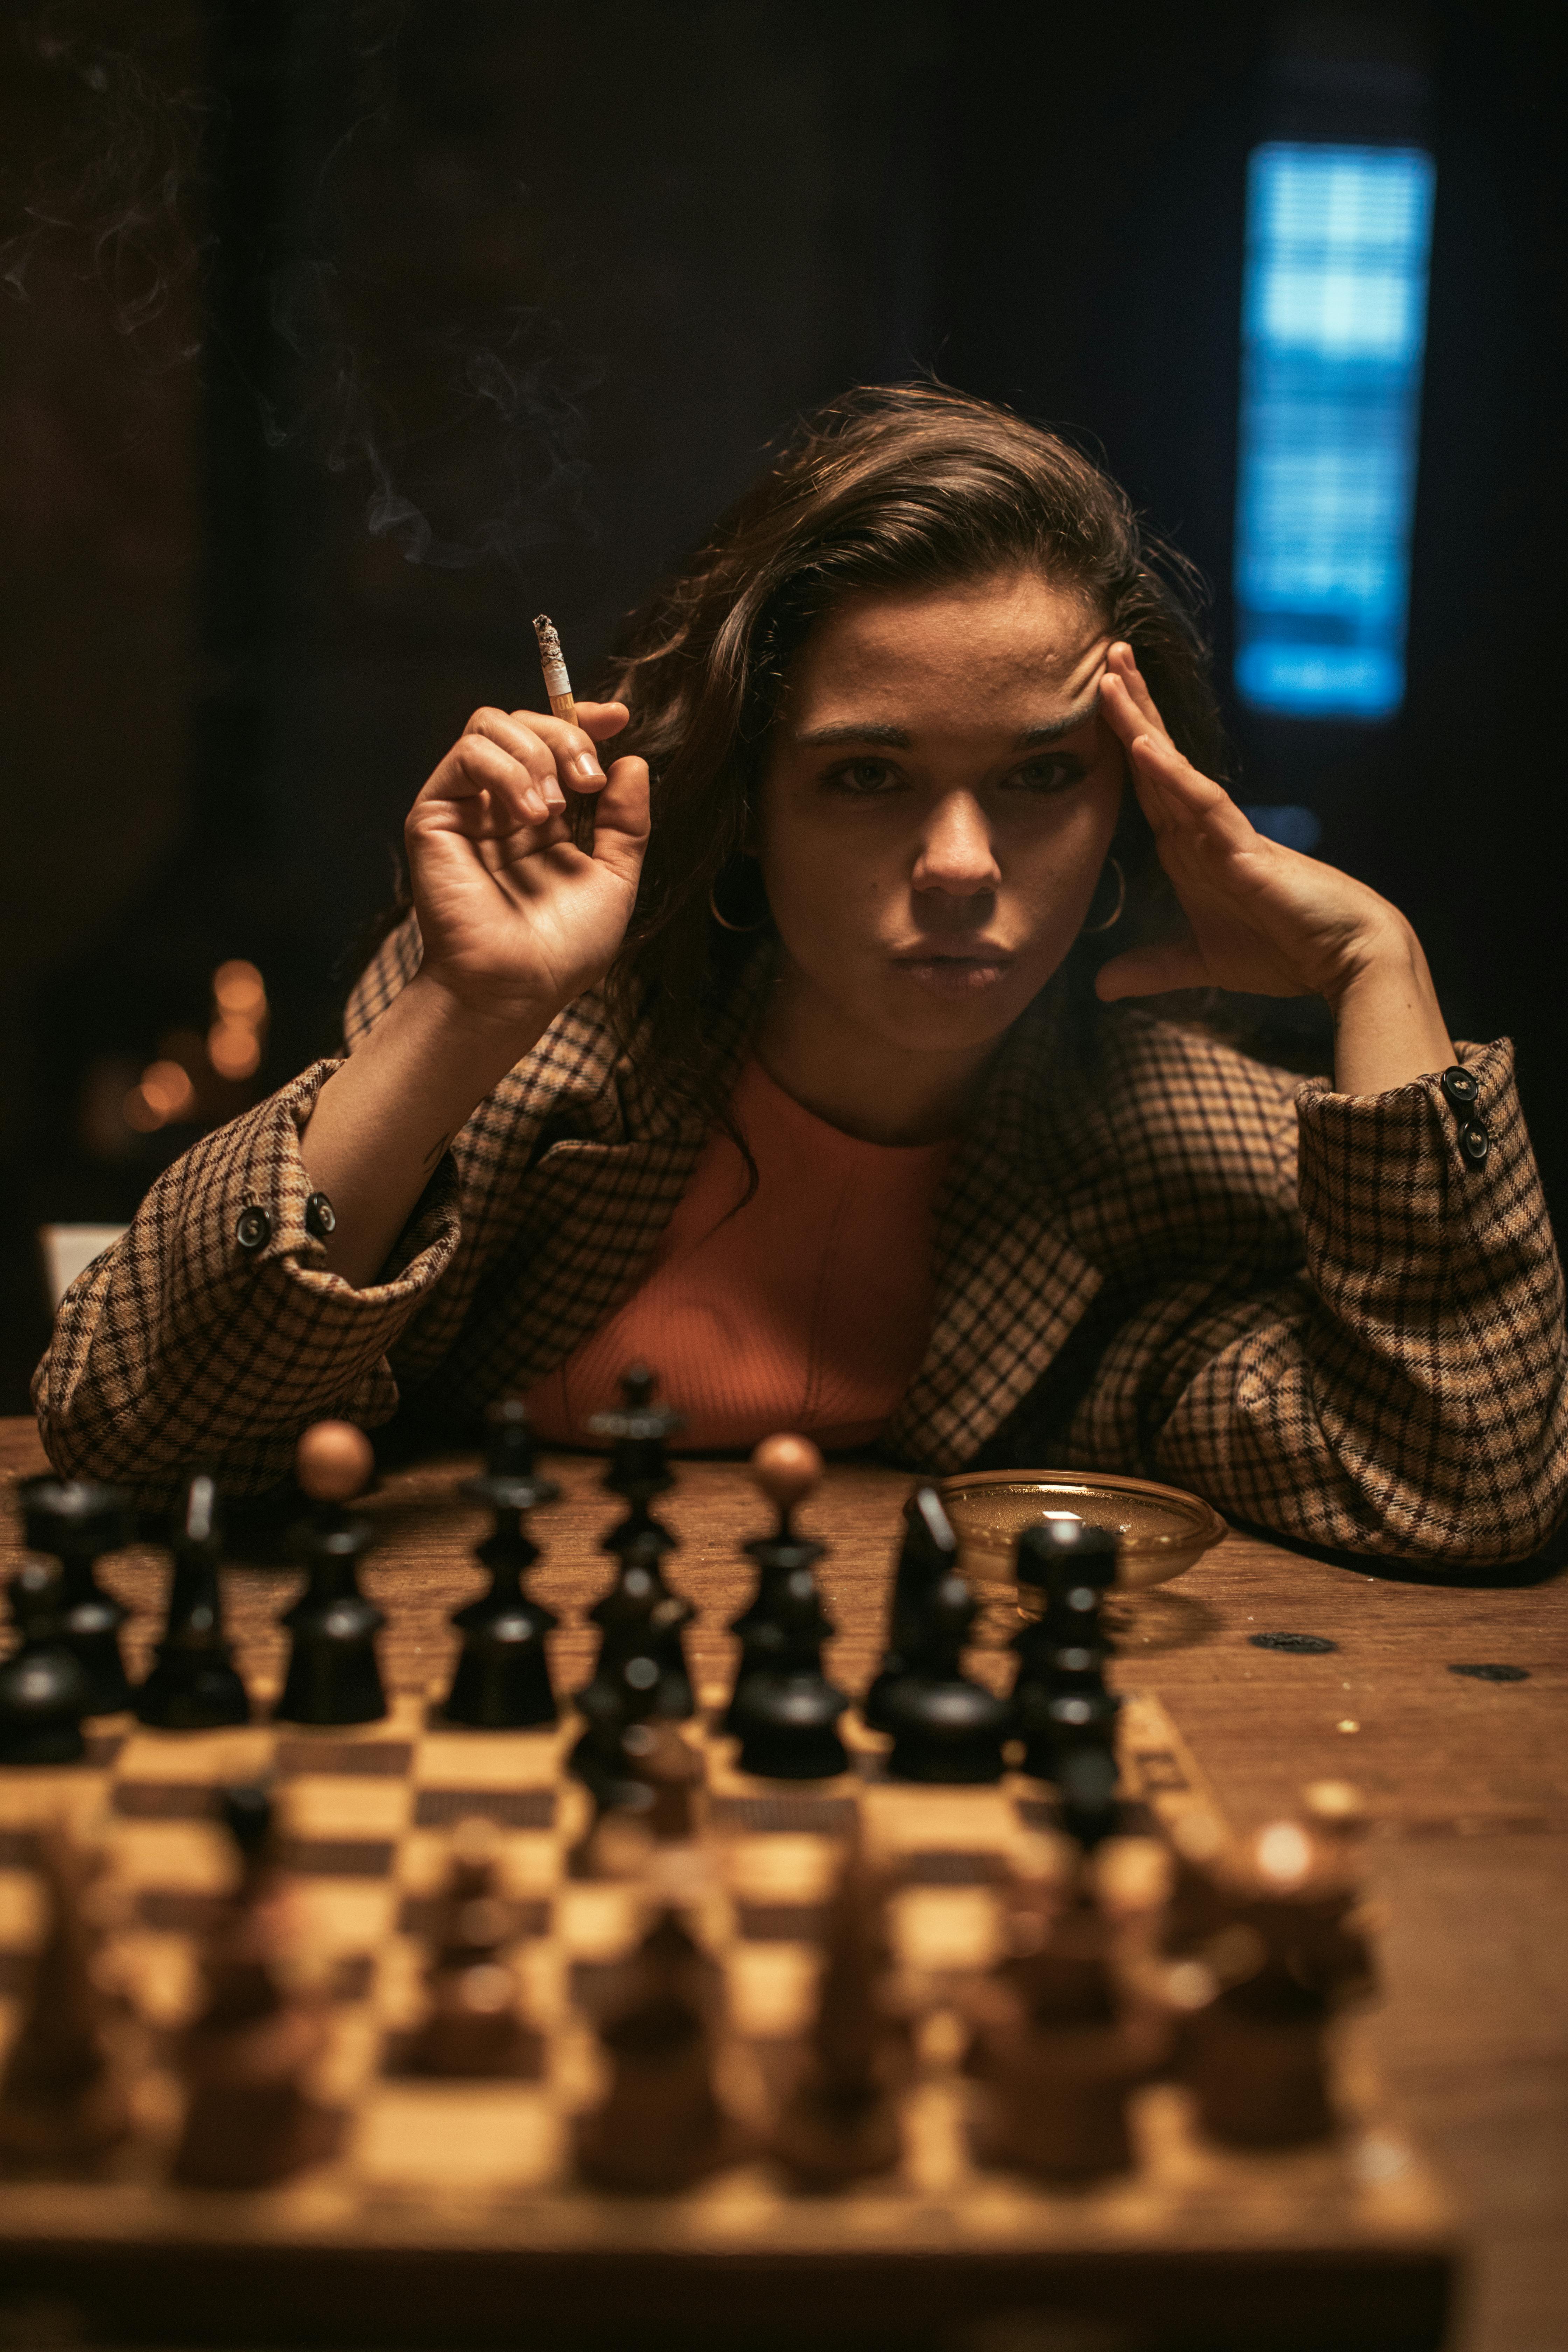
(76, 1521)
(43, 1688)
(332, 1676)
(783, 1709)
(193, 1685)
(1061, 1710)
(503, 1678)
(640, 1431)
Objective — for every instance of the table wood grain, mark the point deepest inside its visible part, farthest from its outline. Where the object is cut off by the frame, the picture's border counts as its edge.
(1466, 1780)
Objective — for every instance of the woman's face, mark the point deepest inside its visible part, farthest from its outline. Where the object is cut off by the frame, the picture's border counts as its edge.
(936, 803)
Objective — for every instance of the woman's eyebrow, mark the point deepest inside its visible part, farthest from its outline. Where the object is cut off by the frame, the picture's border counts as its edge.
(896, 738)
(855, 730)
(1053, 729)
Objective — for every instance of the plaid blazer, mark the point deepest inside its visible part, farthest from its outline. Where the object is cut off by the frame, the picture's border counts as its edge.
(1307, 1306)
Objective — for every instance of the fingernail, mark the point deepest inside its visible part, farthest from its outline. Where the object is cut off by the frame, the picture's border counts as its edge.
(587, 769)
(534, 808)
(554, 795)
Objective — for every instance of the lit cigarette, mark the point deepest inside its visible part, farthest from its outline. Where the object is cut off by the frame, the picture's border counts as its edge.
(563, 705)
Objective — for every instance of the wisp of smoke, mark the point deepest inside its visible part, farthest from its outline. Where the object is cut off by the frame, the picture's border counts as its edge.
(122, 189)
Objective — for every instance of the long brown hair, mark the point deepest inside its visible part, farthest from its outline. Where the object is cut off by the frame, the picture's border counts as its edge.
(901, 486)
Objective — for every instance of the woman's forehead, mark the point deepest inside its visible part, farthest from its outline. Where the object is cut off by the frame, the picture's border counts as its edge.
(889, 658)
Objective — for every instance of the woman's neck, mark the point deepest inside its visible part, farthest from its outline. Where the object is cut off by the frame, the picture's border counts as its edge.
(857, 1082)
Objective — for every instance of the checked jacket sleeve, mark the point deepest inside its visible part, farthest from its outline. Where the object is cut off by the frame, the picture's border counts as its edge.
(213, 1330)
(1404, 1393)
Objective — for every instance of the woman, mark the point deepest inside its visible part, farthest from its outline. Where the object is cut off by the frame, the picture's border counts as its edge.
(821, 1093)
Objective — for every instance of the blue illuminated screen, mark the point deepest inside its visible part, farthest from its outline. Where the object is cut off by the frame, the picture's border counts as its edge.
(1333, 328)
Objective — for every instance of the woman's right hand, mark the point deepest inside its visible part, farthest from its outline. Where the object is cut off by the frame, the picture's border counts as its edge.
(516, 920)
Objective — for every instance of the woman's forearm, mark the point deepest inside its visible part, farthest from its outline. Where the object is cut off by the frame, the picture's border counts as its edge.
(1388, 1025)
(382, 1121)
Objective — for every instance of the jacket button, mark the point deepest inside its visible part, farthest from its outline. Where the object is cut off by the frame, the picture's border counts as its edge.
(1474, 1141)
(253, 1228)
(320, 1217)
(1461, 1087)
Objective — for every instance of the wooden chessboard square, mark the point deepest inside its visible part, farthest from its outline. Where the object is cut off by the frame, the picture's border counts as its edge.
(319, 1752)
(64, 1793)
(528, 1867)
(180, 1856)
(771, 1988)
(209, 1759)
(342, 1808)
(492, 1760)
(21, 1910)
(460, 2143)
(786, 1866)
(419, 1915)
(329, 1918)
(509, 1809)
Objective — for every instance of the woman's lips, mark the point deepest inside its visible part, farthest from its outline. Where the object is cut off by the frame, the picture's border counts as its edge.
(957, 975)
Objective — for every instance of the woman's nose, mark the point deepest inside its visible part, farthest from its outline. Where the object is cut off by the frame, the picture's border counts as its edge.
(955, 852)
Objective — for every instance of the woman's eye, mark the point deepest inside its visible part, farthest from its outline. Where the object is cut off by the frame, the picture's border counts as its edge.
(1046, 775)
(863, 778)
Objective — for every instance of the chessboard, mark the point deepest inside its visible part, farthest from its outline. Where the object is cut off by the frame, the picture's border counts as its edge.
(717, 2010)
(452, 2211)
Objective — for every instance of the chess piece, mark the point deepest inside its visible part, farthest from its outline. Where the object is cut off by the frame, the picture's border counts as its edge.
(471, 2025)
(75, 1521)
(1201, 1903)
(639, 1469)
(332, 1673)
(62, 2104)
(193, 1686)
(660, 2128)
(1061, 1710)
(625, 1690)
(670, 1770)
(783, 1709)
(840, 2120)
(502, 1677)
(1296, 1950)
(251, 2117)
(1061, 2043)
(928, 1552)
(945, 1728)
(44, 1689)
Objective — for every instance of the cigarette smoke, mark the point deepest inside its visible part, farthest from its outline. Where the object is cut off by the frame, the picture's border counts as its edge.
(490, 466)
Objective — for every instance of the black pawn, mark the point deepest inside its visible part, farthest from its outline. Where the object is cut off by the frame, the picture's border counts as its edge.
(43, 1686)
(1061, 1710)
(625, 1690)
(193, 1685)
(332, 1676)
(502, 1677)
(945, 1728)
(783, 1709)
(75, 1521)
(639, 1469)
(929, 1552)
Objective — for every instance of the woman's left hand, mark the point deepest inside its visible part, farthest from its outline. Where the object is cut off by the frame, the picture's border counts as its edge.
(1265, 919)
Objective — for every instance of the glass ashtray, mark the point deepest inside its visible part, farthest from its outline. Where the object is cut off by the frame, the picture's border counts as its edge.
(1161, 1530)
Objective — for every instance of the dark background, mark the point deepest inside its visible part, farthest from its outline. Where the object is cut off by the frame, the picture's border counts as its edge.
(303, 290)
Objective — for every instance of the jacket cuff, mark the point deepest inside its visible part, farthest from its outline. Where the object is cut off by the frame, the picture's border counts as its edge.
(252, 1218)
(1389, 1181)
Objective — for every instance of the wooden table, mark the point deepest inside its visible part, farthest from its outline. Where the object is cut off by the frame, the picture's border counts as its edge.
(1468, 1779)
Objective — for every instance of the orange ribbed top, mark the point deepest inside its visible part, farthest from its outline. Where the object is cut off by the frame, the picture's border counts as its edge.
(808, 1309)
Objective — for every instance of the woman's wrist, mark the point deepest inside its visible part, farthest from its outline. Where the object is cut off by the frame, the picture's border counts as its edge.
(461, 1033)
(1388, 1024)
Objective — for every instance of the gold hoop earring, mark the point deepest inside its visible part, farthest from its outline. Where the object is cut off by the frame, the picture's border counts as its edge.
(1115, 915)
(724, 920)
